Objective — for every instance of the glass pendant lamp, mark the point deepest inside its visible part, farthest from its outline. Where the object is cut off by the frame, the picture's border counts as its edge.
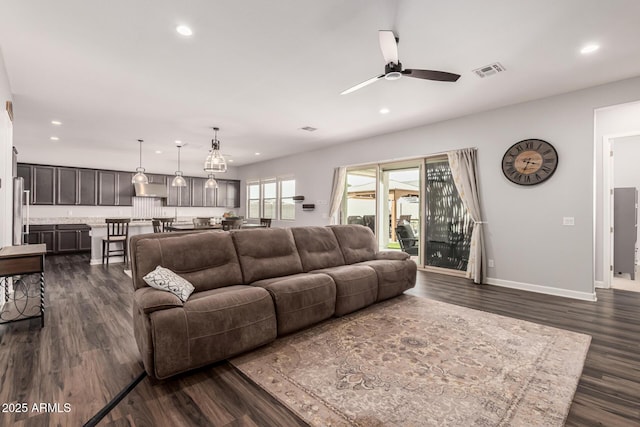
(215, 162)
(178, 180)
(211, 183)
(140, 177)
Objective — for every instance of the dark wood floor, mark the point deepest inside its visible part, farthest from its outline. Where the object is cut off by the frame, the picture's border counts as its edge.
(86, 354)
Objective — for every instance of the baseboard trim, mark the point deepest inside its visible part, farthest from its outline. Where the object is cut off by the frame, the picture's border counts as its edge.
(599, 284)
(585, 296)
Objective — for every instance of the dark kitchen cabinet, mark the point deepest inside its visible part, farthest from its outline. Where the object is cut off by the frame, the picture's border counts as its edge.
(67, 180)
(87, 187)
(43, 185)
(43, 234)
(179, 196)
(197, 191)
(125, 189)
(72, 238)
(228, 193)
(115, 188)
(107, 188)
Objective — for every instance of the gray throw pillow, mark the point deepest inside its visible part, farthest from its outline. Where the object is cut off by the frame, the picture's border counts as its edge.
(166, 280)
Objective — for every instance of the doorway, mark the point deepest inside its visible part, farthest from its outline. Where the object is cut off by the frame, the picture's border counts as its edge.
(624, 212)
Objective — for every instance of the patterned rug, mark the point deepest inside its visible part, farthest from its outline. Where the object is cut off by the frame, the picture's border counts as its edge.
(412, 361)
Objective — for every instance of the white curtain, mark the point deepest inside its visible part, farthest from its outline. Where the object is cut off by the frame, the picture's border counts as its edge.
(337, 193)
(464, 168)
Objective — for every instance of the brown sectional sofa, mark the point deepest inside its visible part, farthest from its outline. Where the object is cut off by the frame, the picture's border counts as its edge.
(252, 286)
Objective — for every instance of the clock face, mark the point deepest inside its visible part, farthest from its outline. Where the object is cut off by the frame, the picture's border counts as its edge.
(530, 162)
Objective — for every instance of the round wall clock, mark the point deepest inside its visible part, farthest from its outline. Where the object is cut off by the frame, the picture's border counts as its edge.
(530, 162)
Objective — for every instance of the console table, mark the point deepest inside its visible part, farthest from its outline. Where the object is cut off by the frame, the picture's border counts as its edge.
(25, 266)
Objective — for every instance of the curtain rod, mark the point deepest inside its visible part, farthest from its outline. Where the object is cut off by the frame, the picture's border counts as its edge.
(406, 159)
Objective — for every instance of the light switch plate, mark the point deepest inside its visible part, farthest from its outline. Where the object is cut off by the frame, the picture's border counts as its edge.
(568, 220)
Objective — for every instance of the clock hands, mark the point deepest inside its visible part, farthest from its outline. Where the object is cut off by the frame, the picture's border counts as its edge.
(528, 161)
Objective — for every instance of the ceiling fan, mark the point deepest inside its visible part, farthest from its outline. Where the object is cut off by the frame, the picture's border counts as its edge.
(393, 70)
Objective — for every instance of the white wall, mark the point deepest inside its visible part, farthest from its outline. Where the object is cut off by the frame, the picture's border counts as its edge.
(6, 191)
(625, 166)
(525, 235)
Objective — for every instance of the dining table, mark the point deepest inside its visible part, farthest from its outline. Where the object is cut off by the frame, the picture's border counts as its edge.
(191, 227)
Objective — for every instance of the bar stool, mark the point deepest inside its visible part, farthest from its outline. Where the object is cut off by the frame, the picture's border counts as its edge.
(201, 222)
(117, 233)
(265, 222)
(157, 225)
(165, 223)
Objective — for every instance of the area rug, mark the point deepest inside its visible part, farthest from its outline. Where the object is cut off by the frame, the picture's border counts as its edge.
(412, 361)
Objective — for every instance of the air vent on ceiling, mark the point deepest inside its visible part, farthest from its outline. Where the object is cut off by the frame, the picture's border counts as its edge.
(489, 70)
(309, 128)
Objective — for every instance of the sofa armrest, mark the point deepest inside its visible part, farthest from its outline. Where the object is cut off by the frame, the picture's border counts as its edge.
(151, 299)
(392, 255)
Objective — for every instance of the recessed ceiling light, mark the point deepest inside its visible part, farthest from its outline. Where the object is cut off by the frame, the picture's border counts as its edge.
(54, 138)
(384, 111)
(590, 48)
(158, 152)
(178, 142)
(257, 154)
(56, 122)
(230, 160)
(184, 30)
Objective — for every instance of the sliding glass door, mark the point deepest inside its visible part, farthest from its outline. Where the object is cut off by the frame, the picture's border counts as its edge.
(412, 206)
(362, 186)
(448, 226)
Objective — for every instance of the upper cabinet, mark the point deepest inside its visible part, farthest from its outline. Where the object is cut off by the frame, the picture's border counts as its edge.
(58, 185)
(115, 188)
(75, 186)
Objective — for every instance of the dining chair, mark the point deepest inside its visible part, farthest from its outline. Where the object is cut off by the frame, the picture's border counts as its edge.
(231, 224)
(157, 225)
(165, 223)
(201, 222)
(266, 222)
(117, 234)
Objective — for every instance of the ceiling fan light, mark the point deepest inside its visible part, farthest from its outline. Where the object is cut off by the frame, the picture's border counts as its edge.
(394, 75)
(211, 183)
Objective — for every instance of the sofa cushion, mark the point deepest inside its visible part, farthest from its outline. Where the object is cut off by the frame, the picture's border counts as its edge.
(394, 276)
(207, 260)
(318, 247)
(266, 253)
(213, 325)
(300, 300)
(166, 280)
(357, 242)
(356, 287)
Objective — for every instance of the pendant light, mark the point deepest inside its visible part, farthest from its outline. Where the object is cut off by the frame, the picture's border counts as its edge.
(140, 177)
(215, 162)
(211, 183)
(178, 180)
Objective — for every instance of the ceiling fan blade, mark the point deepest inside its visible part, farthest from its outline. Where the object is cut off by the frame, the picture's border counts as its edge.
(388, 46)
(363, 84)
(440, 76)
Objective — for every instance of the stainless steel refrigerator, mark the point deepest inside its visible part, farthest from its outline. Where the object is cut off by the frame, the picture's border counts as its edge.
(20, 207)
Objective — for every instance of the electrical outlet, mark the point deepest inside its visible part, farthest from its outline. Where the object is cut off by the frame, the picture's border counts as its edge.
(491, 263)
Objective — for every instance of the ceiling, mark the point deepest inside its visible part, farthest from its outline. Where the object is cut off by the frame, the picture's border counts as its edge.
(113, 72)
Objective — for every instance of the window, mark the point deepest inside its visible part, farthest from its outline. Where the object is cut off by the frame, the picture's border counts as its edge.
(253, 200)
(271, 198)
(287, 205)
